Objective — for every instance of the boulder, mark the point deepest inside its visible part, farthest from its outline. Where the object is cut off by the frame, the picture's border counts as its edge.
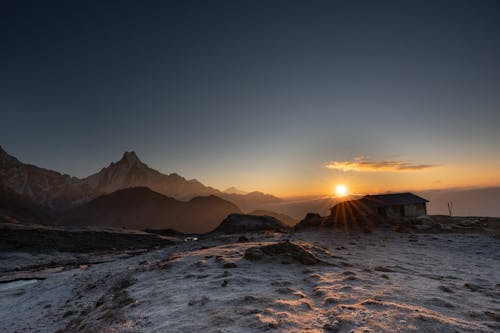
(240, 223)
(285, 250)
(310, 221)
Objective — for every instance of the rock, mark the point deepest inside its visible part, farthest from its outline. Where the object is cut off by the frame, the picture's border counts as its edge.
(283, 250)
(423, 227)
(425, 219)
(445, 227)
(311, 220)
(243, 239)
(230, 265)
(333, 327)
(240, 223)
(445, 289)
(472, 286)
(383, 269)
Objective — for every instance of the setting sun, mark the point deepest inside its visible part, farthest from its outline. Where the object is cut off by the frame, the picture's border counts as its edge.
(341, 190)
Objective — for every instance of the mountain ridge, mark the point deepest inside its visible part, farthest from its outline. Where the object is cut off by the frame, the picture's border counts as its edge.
(59, 191)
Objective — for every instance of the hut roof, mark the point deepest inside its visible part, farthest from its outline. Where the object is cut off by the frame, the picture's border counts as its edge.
(393, 199)
(385, 200)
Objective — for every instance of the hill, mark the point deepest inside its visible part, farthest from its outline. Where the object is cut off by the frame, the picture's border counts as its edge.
(140, 208)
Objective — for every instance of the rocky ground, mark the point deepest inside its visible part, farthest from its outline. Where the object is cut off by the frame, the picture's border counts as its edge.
(316, 280)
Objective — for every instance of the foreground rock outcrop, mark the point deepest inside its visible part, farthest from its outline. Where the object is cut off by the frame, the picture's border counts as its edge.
(241, 223)
(311, 220)
(285, 250)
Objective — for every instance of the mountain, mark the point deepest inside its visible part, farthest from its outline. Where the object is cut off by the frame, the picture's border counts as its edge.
(141, 208)
(130, 171)
(44, 187)
(16, 208)
(56, 191)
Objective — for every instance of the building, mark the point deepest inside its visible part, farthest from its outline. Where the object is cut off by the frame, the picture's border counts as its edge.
(390, 206)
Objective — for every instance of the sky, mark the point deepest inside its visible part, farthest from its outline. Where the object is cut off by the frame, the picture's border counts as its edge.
(285, 97)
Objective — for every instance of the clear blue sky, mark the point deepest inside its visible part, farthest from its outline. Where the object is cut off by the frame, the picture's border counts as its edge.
(257, 94)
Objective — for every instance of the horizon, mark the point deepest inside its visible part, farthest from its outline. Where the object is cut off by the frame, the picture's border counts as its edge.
(286, 98)
(297, 198)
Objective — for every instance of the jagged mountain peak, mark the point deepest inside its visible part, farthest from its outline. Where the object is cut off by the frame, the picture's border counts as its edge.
(131, 157)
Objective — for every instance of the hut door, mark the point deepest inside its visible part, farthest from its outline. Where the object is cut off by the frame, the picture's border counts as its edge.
(402, 211)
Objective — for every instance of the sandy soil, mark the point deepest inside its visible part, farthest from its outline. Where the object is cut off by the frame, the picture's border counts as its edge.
(378, 282)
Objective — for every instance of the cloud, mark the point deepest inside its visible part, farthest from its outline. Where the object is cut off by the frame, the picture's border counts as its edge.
(363, 164)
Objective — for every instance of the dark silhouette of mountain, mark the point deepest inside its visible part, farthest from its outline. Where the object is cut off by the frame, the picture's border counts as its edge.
(285, 219)
(140, 208)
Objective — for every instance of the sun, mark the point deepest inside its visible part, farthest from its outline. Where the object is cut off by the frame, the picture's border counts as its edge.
(341, 190)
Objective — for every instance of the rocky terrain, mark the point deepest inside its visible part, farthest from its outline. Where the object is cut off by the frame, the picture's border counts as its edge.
(41, 238)
(314, 280)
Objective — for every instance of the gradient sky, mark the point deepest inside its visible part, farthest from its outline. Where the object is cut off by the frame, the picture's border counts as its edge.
(288, 97)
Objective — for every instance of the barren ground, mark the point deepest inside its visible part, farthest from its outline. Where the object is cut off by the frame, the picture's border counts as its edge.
(379, 282)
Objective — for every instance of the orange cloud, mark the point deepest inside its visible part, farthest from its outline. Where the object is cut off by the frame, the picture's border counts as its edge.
(363, 164)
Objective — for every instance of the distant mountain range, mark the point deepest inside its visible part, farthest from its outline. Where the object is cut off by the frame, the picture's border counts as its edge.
(127, 193)
(60, 192)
